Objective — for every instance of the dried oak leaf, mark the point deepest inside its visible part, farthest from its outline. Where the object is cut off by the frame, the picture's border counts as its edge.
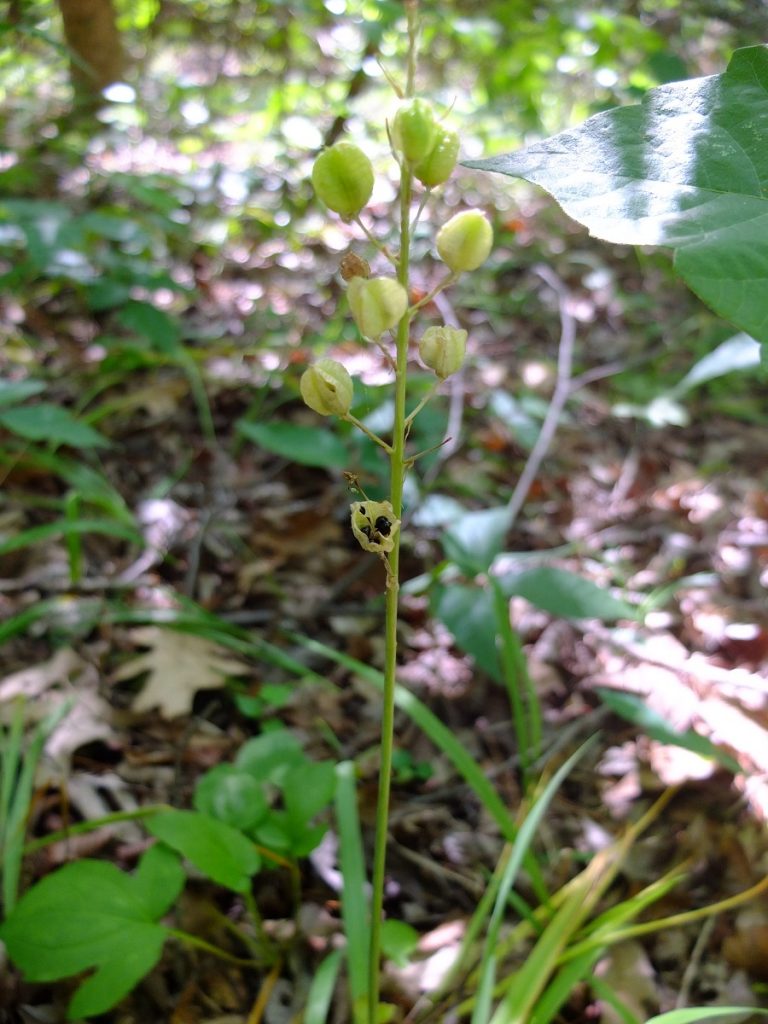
(178, 665)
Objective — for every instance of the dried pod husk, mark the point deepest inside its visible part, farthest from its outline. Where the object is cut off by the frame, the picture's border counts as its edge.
(374, 525)
(464, 243)
(414, 129)
(353, 265)
(377, 304)
(442, 349)
(342, 177)
(327, 388)
(437, 166)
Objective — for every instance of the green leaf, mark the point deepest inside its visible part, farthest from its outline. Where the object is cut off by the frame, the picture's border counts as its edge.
(160, 878)
(269, 756)
(65, 528)
(694, 1014)
(398, 941)
(232, 796)
(14, 391)
(474, 540)
(687, 169)
(633, 709)
(310, 446)
(218, 850)
(565, 594)
(307, 789)
(468, 613)
(91, 915)
(48, 422)
(737, 353)
(154, 324)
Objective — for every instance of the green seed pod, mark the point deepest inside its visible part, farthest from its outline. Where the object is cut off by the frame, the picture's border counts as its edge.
(465, 241)
(442, 349)
(374, 525)
(342, 177)
(327, 388)
(437, 166)
(377, 303)
(414, 130)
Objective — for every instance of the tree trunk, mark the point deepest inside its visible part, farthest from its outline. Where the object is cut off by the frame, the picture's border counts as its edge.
(97, 59)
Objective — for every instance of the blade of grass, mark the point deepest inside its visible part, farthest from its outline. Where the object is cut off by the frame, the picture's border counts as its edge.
(354, 903)
(10, 758)
(37, 534)
(694, 1014)
(526, 985)
(609, 996)
(22, 783)
(520, 847)
(321, 988)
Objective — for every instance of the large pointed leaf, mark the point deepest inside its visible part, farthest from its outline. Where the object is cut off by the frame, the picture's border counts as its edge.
(565, 594)
(687, 168)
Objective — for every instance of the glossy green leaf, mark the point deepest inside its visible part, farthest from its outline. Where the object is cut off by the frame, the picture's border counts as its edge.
(310, 446)
(48, 422)
(468, 613)
(91, 915)
(232, 796)
(269, 756)
(474, 540)
(566, 595)
(218, 850)
(687, 168)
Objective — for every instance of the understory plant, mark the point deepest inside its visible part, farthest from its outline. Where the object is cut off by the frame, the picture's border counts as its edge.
(263, 809)
(425, 151)
(571, 931)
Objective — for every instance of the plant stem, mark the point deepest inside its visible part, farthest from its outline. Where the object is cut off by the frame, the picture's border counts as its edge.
(374, 437)
(397, 475)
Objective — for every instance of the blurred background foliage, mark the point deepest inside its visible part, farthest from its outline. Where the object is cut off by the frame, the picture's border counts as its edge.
(162, 160)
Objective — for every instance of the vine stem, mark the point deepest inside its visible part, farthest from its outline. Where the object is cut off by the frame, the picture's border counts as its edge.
(397, 463)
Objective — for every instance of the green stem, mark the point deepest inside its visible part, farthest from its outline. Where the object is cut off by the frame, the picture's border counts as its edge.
(512, 680)
(439, 287)
(397, 475)
(82, 827)
(374, 437)
(375, 242)
(415, 412)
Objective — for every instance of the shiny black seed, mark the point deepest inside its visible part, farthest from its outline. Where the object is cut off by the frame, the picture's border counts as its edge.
(384, 526)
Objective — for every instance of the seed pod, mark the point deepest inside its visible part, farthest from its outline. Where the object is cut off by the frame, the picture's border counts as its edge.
(342, 177)
(465, 241)
(437, 166)
(327, 388)
(414, 130)
(442, 349)
(353, 265)
(376, 303)
(374, 525)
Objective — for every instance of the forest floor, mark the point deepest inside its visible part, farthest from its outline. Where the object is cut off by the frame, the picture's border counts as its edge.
(673, 516)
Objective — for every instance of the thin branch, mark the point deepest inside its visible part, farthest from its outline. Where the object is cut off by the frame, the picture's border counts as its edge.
(561, 394)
